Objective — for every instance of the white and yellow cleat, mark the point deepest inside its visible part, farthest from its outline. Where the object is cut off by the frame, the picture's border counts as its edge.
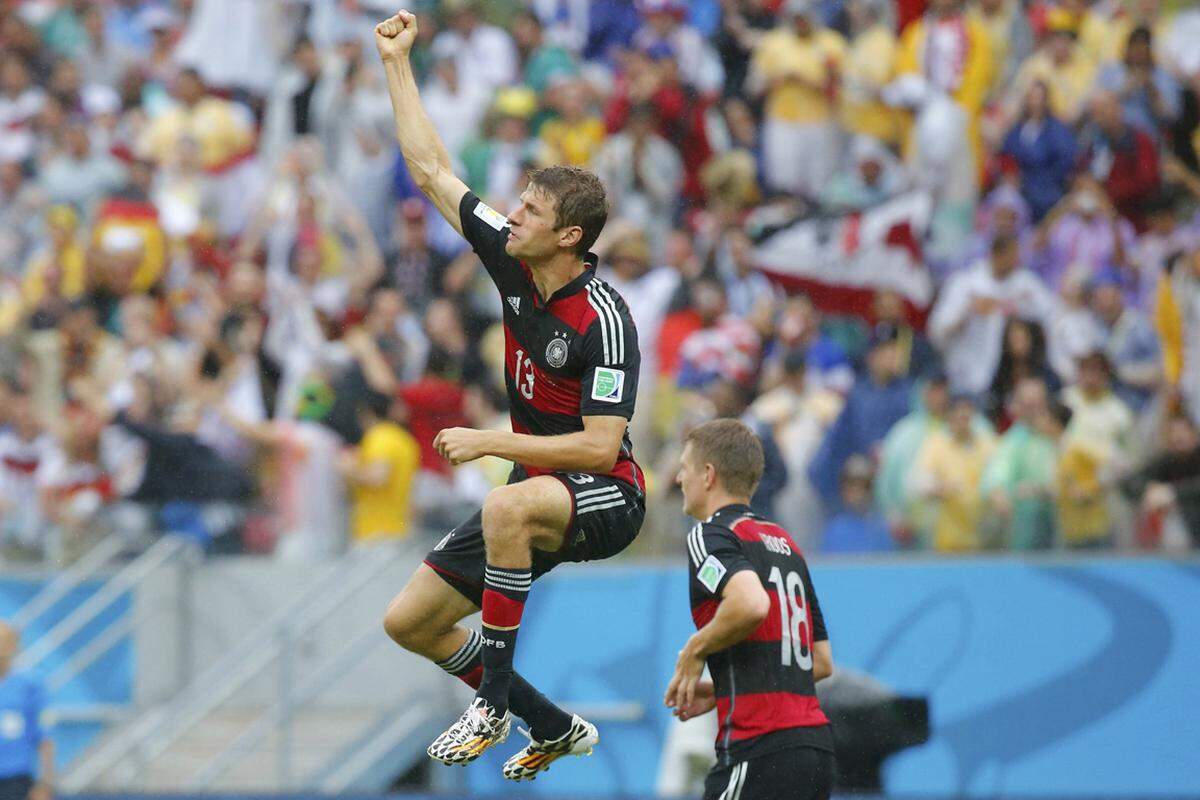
(537, 756)
(476, 730)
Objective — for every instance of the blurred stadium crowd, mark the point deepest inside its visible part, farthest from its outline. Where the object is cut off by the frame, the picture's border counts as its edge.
(225, 310)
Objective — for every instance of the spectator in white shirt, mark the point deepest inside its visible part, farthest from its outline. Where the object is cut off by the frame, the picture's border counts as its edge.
(455, 104)
(486, 54)
(643, 174)
(20, 102)
(745, 287)
(24, 449)
(77, 173)
(968, 321)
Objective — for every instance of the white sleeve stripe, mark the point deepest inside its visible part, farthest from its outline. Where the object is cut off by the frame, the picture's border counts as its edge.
(620, 329)
(603, 324)
(617, 326)
(610, 327)
(696, 545)
(614, 321)
(609, 320)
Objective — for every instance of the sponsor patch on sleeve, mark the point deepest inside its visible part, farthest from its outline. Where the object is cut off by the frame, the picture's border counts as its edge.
(608, 385)
(491, 216)
(710, 573)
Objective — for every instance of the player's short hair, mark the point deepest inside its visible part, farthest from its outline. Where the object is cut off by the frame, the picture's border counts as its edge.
(734, 451)
(579, 200)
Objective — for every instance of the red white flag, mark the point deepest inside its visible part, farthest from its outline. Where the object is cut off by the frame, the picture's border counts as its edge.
(841, 261)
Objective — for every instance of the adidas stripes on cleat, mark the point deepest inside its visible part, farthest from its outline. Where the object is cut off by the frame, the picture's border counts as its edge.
(537, 756)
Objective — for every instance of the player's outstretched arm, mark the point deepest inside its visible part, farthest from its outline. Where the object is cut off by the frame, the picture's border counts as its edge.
(428, 162)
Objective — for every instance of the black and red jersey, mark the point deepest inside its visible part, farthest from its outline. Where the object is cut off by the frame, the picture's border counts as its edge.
(567, 357)
(766, 695)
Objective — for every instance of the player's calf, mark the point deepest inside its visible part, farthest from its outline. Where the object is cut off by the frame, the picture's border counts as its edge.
(512, 516)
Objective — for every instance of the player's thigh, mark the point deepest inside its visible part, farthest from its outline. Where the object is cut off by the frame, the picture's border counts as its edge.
(426, 608)
(798, 773)
(538, 508)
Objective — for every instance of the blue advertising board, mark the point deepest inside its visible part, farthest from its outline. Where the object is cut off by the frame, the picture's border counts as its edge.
(1065, 678)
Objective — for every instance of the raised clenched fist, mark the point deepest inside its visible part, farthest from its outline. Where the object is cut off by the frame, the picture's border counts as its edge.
(394, 37)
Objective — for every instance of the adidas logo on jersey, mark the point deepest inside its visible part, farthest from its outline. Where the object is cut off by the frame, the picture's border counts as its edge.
(515, 302)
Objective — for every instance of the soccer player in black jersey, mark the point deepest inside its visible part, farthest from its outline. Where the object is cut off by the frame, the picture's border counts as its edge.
(575, 492)
(759, 630)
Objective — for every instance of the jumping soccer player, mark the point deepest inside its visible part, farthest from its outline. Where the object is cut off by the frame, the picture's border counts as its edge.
(575, 492)
(759, 629)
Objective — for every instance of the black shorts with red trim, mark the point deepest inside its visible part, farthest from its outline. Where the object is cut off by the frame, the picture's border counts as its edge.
(795, 773)
(606, 515)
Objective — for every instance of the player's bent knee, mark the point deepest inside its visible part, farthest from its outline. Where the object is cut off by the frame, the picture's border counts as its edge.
(404, 628)
(505, 516)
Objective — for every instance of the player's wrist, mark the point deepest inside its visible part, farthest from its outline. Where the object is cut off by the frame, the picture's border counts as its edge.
(398, 60)
(492, 443)
(695, 647)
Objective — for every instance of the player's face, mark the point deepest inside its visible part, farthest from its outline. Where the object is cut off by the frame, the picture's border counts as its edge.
(692, 479)
(532, 236)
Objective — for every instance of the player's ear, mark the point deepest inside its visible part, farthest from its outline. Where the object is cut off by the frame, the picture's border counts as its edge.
(710, 476)
(570, 236)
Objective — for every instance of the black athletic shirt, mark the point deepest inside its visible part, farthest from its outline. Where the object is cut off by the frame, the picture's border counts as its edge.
(766, 695)
(572, 356)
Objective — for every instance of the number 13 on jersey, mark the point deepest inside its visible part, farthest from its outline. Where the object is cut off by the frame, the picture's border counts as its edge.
(524, 375)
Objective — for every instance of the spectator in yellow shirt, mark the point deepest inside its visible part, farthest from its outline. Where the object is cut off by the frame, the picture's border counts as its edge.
(948, 471)
(576, 134)
(953, 53)
(869, 66)
(1094, 453)
(1067, 72)
(1098, 34)
(56, 275)
(380, 474)
(797, 67)
(224, 132)
(1009, 35)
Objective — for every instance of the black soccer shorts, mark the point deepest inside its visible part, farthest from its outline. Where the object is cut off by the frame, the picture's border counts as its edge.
(795, 773)
(606, 515)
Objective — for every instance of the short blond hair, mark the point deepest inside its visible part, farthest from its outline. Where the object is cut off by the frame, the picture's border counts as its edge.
(734, 451)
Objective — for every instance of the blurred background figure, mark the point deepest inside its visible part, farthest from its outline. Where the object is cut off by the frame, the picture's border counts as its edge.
(858, 527)
(948, 470)
(26, 753)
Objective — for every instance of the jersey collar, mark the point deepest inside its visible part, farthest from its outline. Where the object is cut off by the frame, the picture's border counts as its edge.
(575, 286)
(740, 509)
